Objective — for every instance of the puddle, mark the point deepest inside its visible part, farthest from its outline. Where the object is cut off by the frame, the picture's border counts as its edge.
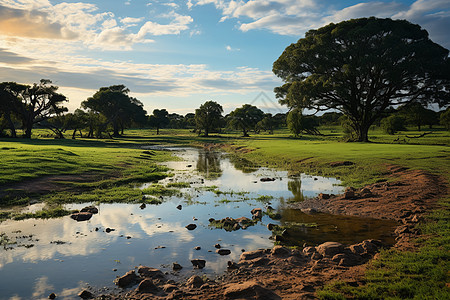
(66, 255)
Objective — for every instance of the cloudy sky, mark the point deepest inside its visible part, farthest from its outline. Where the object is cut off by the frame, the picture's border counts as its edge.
(177, 54)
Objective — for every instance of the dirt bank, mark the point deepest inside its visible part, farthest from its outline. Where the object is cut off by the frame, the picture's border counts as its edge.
(281, 273)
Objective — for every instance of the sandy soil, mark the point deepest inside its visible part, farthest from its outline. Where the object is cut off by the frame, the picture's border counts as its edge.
(282, 273)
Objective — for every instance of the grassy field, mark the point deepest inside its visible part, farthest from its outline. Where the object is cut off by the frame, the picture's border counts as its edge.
(115, 165)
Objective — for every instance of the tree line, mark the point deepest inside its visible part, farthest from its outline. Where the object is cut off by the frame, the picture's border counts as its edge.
(367, 71)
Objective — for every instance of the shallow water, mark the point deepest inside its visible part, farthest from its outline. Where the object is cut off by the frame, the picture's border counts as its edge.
(156, 236)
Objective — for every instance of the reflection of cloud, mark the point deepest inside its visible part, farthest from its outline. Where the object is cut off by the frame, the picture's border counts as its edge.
(42, 287)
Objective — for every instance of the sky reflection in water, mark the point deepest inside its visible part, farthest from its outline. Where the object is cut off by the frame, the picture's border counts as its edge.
(157, 234)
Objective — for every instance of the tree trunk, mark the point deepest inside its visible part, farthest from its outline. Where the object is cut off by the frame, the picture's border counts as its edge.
(28, 128)
(73, 134)
(363, 133)
(11, 125)
(157, 130)
(116, 129)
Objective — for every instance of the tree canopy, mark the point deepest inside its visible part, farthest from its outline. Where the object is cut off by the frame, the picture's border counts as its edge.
(208, 117)
(361, 67)
(159, 119)
(245, 118)
(31, 104)
(115, 104)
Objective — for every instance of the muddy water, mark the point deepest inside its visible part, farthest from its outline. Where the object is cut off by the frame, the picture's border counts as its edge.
(63, 256)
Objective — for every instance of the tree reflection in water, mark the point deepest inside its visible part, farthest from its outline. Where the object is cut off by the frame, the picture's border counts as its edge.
(295, 186)
(242, 164)
(208, 164)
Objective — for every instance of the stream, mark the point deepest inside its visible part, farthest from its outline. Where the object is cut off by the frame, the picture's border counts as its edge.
(65, 256)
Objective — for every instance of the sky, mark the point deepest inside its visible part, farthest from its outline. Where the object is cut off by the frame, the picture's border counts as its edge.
(177, 54)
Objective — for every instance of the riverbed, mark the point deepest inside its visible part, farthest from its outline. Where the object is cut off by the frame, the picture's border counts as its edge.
(64, 256)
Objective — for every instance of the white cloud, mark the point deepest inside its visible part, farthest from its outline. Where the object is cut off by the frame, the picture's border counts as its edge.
(295, 17)
(229, 48)
(82, 22)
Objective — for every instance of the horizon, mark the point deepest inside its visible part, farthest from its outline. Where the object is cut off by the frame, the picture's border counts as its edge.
(177, 54)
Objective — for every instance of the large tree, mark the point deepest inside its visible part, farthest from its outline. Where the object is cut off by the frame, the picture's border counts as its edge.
(117, 106)
(245, 118)
(208, 117)
(34, 104)
(361, 67)
(159, 119)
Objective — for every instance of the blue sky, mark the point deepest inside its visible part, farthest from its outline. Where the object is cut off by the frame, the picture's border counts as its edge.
(177, 54)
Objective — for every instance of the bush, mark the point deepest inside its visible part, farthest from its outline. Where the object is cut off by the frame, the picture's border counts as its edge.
(392, 124)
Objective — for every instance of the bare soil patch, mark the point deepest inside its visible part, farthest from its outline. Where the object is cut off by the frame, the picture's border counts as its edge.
(282, 273)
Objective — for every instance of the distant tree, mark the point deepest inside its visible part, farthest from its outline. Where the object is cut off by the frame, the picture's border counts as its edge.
(294, 121)
(208, 117)
(392, 124)
(330, 118)
(268, 123)
(245, 118)
(158, 119)
(189, 120)
(114, 103)
(361, 67)
(280, 119)
(176, 121)
(417, 115)
(444, 119)
(298, 123)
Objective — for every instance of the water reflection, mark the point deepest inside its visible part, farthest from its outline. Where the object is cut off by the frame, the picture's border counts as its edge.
(295, 186)
(156, 236)
(242, 164)
(208, 164)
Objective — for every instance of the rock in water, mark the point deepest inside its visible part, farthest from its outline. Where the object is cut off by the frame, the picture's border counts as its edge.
(223, 251)
(198, 263)
(191, 226)
(85, 294)
(127, 279)
(81, 216)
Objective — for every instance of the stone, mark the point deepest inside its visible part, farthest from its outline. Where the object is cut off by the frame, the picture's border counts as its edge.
(191, 226)
(168, 288)
(357, 249)
(280, 251)
(195, 281)
(148, 272)
(309, 211)
(179, 207)
(198, 248)
(223, 251)
(251, 255)
(249, 290)
(108, 230)
(52, 296)
(244, 221)
(349, 193)
(267, 179)
(316, 256)
(176, 267)
(128, 279)
(366, 193)
(146, 286)
(85, 294)
(329, 249)
(257, 213)
(271, 226)
(198, 263)
(232, 265)
(91, 209)
(217, 246)
(236, 226)
(323, 196)
(309, 250)
(81, 216)
(142, 206)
